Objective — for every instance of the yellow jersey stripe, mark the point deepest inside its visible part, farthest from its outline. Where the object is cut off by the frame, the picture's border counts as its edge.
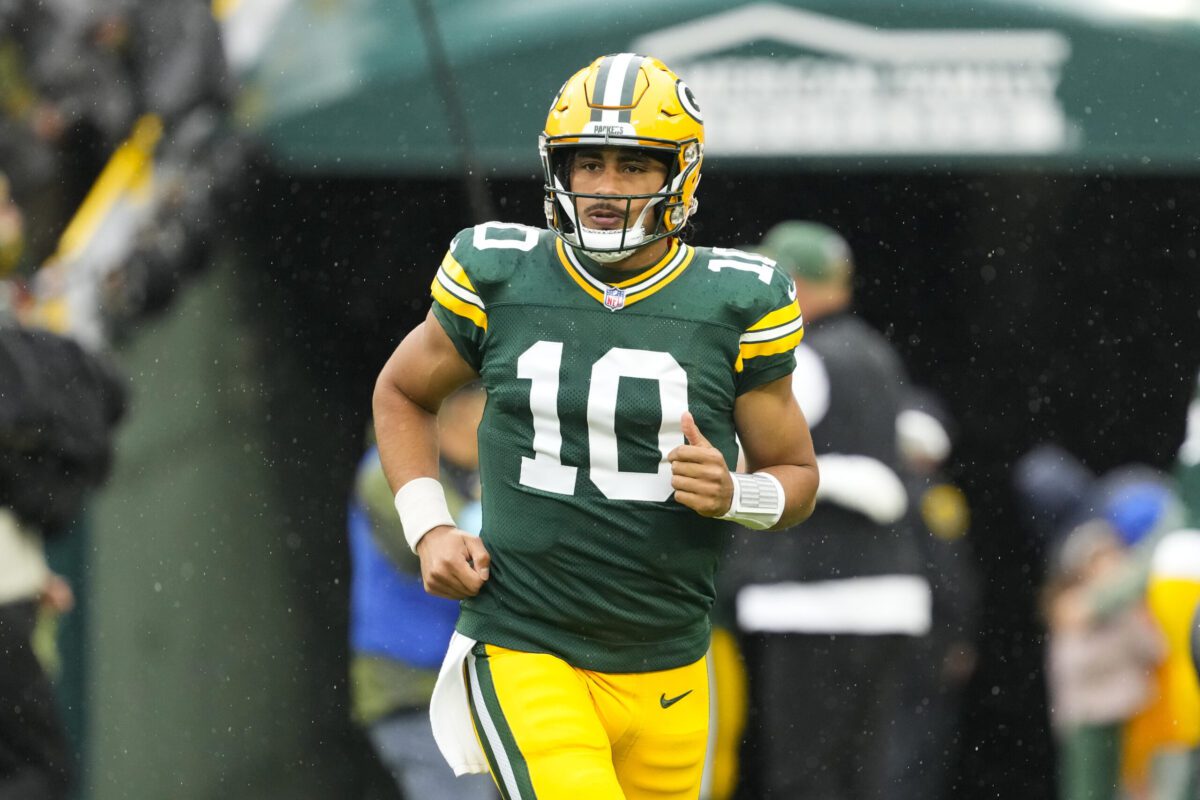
(771, 334)
(677, 259)
(654, 273)
(773, 347)
(574, 272)
(689, 254)
(777, 317)
(456, 272)
(460, 307)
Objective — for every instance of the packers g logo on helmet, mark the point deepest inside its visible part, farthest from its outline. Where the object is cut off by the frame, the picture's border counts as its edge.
(624, 100)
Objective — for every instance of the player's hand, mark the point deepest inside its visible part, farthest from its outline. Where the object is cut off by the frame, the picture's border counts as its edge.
(698, 473)
(454, 564)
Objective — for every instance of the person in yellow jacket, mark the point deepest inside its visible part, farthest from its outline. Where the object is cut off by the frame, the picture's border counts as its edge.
(1161, 742)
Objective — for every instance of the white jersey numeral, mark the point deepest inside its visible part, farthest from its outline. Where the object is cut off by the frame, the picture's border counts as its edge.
(541, 365)
(483, 241)
(761, 266)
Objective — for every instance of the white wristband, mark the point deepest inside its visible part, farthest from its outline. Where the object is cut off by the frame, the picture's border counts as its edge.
(421, 504)
(757, 500)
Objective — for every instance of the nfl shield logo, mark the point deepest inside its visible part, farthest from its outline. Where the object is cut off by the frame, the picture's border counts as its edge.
(614, 298)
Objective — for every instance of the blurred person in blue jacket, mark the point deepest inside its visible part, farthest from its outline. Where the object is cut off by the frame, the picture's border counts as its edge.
(1099, 672)
(398, 632)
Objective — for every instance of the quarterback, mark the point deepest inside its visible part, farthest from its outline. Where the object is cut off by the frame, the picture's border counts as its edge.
(623, 366)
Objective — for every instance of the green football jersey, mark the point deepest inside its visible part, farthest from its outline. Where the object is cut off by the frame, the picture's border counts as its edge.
(588, 372)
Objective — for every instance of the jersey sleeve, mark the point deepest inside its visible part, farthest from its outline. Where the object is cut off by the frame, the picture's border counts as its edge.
(766, 348)
(459, 307)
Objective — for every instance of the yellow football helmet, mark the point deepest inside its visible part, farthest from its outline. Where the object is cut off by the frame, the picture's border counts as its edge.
(623, 100)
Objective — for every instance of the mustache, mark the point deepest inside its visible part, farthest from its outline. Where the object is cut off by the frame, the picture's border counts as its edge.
(607, 206)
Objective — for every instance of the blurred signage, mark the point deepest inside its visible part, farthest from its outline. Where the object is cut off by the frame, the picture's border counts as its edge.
(776, 80)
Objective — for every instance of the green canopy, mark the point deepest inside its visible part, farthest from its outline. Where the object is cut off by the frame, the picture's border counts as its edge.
(349, 87)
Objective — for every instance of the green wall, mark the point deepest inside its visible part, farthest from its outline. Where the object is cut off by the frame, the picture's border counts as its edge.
(217, 571)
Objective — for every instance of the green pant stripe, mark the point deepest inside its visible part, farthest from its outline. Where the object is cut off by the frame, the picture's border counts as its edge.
(483, 740)
(505, 758)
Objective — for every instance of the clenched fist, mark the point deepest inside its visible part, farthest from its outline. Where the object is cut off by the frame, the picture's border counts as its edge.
(698, 473)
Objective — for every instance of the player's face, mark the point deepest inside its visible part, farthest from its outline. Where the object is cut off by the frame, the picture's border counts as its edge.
(614, 171)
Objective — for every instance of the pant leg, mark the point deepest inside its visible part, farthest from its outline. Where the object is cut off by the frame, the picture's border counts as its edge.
(914, 762)
(1089, 762)
(802, 721)
(822, 707)
(34, 754)
(406, 747)
(539, 727)
(658, 725)
(880, 671)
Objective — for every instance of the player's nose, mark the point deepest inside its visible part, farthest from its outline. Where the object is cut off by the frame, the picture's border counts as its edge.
(606, 182)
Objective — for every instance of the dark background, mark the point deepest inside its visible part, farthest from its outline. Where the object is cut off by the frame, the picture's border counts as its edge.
(1040, 307)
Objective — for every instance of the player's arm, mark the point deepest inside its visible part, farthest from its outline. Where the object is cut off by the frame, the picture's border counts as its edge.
(425, 369)
(779, 457)
(775, 439)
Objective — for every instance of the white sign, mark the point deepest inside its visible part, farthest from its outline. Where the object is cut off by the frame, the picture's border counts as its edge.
(843, 88)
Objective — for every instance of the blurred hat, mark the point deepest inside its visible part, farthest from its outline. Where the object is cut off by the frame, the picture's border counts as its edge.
(1050, 485)
(1138, 500)
(808, 250)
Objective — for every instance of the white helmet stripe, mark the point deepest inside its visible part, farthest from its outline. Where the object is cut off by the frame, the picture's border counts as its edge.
(614, 87)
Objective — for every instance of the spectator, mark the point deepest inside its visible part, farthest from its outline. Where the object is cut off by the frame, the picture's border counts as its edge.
(137, 81)
(58, 406)
(1099, 671)
(1163, 740)
(828, 614)
(1162, 571)
(175, 68)
(398, 632)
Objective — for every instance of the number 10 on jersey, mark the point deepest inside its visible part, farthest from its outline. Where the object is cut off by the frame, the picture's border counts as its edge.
(541, 365)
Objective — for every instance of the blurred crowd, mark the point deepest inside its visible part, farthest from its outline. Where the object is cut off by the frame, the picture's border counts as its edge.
(117, 149)
(1121, 603)
(116, 158)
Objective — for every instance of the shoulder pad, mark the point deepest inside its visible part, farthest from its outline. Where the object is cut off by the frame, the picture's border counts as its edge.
(488, 252)
(751, 284)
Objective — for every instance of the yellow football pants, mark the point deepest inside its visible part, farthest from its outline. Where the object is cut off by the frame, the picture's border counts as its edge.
(554, 732)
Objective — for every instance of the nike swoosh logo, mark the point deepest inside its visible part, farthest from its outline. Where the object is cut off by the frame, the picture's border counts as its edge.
(665, 703)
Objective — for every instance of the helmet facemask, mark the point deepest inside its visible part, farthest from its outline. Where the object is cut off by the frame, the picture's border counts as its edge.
(664, 215)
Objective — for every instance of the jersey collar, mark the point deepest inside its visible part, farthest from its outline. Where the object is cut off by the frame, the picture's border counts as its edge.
(615, 296)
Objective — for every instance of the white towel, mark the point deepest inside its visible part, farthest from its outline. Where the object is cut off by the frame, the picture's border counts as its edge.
(450, 712)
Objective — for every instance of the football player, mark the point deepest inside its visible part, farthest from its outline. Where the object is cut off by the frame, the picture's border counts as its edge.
(619, 362)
